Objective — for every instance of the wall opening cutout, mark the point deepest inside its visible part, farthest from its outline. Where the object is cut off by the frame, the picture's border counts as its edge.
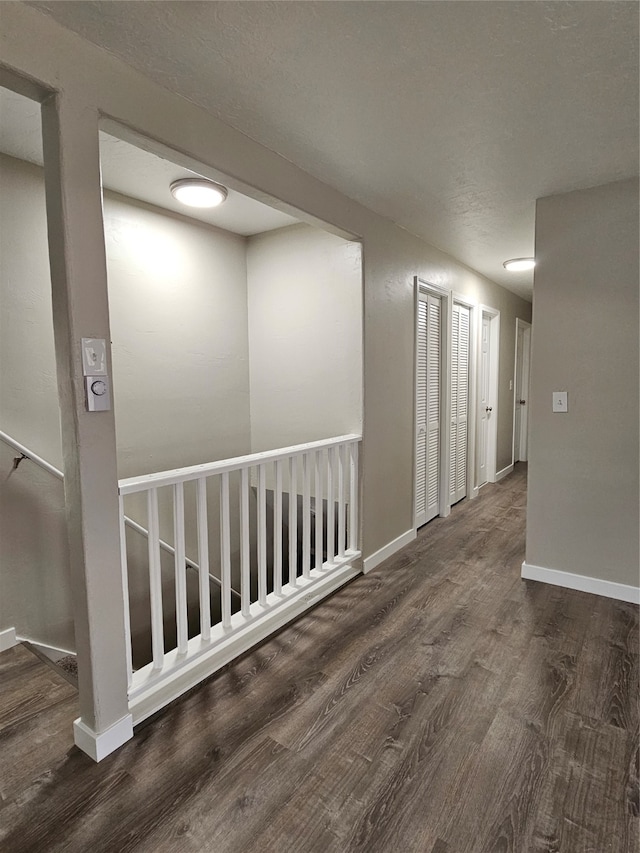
(235, 329)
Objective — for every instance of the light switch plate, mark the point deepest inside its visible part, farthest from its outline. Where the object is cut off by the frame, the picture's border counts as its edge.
(94, 357)
(560, 403)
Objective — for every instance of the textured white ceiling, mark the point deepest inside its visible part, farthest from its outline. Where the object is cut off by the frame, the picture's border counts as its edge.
(449, 118)
(131, 171)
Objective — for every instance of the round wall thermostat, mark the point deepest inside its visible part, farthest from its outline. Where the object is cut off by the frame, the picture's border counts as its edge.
(99, 387)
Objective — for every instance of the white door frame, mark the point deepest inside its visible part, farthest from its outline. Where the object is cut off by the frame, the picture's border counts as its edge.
(520, 324)
(472, 488)
(494, 361)
(420, 285)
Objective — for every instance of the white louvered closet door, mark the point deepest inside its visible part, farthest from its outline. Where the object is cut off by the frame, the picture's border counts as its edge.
(428, 408)
(459, 402)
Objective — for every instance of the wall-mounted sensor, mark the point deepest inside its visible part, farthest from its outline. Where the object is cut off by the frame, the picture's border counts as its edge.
(559, 403)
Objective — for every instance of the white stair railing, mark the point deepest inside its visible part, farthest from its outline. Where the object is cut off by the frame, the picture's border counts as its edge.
(284, 565)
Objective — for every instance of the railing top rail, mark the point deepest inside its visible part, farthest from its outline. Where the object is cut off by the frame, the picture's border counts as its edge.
(193, 472)
(29, 454)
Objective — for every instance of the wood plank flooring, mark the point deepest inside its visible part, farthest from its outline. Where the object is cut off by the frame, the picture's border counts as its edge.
(439, 704)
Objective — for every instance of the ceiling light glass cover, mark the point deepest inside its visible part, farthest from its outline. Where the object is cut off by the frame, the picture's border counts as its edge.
(198, 192)
(519, 264)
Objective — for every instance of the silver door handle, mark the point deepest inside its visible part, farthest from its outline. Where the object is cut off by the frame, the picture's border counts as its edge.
(489, 409)
(522, 402)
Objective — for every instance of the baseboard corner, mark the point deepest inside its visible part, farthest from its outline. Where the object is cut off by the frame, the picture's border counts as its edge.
(581, 583)
(8, 639)
(388, 550)
(500, 475)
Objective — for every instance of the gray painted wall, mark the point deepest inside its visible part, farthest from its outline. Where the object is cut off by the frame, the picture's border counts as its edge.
(29, 408)
(583, 506)
(35, 587)
(178, 305)
(305, 332)
(34, 557)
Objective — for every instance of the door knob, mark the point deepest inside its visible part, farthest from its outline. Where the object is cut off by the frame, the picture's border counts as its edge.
(522, 402)
(489, 409)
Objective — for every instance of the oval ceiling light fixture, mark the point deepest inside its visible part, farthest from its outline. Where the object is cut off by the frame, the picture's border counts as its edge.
(519, 264)
(198, 192)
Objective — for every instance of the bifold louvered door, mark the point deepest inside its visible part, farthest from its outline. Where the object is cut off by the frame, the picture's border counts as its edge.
(459, 403)
(428, 408)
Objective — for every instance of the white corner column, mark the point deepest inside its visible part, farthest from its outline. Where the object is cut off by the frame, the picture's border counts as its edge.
(80, 309)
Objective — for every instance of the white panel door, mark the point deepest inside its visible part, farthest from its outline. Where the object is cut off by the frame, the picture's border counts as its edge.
(484, 407)
(459, 402)
(428, 389)
(522, 394)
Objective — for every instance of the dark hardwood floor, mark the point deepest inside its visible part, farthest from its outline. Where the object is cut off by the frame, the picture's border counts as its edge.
(437, 705)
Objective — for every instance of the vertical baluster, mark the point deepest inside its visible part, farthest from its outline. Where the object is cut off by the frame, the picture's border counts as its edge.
(319, 454)
(225, 549)
(155, 579)
(277, 530)
(245, 553)
(203, 559)
(125, 590)
(306, 515)
(331, 516)
(341, 504)
(262, 533)
(293, 520)
(180, 568)
(353, 497)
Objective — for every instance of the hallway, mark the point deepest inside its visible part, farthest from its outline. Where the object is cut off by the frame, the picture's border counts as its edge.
(436, 705)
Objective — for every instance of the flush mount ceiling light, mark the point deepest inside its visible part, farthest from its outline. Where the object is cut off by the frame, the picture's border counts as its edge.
(198, 192)
(519, 264)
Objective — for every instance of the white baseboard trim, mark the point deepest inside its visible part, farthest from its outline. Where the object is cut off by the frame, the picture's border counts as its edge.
(98, 745)
(8, 639)
(388, 550)
(582, 583)
(504, 473)
(52, 652)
